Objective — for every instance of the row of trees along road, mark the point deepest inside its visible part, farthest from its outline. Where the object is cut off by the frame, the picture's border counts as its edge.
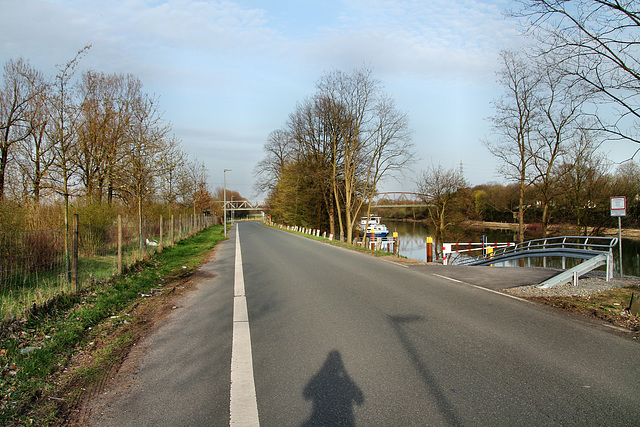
(333, 152)
(96, 137)
(577, 85)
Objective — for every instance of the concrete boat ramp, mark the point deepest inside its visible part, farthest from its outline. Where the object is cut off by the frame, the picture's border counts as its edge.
(495, 278)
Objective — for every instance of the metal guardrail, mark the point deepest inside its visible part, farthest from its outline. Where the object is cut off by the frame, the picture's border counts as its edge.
(583, 247)
(574, 273)
(597, 250)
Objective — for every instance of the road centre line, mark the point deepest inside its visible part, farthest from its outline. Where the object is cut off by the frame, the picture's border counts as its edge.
(243, 406)
(481, 288)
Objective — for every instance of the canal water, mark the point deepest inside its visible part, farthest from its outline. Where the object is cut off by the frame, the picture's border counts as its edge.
(413, 237)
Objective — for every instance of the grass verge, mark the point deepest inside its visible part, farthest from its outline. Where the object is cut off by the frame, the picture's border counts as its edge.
(611, 306)
(337, 243)
(35, 352)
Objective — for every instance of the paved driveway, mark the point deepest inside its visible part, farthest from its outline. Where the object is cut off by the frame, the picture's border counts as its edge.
(489, 277)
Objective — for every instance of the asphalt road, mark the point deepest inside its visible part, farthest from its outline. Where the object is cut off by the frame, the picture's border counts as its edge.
(341, 338)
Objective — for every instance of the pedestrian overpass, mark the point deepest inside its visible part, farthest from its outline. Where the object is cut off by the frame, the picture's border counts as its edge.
(244, 205)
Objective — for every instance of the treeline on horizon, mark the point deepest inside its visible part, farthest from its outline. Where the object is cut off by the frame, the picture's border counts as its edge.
(495, 202)
(91, 143)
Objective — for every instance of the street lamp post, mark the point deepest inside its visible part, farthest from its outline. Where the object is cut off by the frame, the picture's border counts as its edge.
(224, 205)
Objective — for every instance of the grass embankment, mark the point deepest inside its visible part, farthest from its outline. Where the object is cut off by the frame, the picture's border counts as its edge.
(97, 323)
(39, 287)
(611, 305)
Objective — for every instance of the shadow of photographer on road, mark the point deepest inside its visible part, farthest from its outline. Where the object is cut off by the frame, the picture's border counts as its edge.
(333, 394)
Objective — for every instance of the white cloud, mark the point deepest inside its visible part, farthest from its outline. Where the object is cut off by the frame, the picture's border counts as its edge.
(435, 40)
(229, 72)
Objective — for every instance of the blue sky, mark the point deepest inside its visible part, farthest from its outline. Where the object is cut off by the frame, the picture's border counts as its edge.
(230, 72)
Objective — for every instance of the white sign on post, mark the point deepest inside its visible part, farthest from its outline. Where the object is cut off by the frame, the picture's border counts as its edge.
(619, 209)
(619, 206)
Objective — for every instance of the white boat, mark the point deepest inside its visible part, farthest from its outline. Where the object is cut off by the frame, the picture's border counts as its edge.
(373, 224)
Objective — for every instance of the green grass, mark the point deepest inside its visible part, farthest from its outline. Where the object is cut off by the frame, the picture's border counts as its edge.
(34, 351)
(37, 288)
(611, 302)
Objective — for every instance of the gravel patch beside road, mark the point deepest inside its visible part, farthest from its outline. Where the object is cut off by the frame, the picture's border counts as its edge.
(592, 283)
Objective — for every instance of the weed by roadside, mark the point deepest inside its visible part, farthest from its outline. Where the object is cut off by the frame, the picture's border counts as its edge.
(36, 350)
(611, 305)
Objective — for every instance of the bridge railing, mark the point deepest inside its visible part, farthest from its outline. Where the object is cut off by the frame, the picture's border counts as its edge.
(583, 247)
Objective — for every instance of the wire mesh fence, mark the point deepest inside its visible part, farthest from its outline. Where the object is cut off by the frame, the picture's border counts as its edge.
(36, 266)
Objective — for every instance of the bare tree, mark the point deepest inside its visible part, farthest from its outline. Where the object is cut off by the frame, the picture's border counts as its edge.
(595, 43)
(371, 138)
(513, 124)
(558, 104)
(278, 149)
(627, 181)
(146, 143)
(337, 147)
(96, 115)
(193, 185)
(440, 187)
(349, 101)
(63, 131)
(36, 156)
(21, 85)
(315, 138)
(583, 183)
(391, 149)
(171, 165)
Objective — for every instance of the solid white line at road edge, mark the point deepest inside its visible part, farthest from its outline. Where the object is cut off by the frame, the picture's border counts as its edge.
(243, 408)
(482, 289)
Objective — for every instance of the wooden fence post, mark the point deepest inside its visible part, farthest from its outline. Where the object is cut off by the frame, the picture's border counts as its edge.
(161, 233)
(74, 252)
(119, 244)
(172, 227)
(143, 237)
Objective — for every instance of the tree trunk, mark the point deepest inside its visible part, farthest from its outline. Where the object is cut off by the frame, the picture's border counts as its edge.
(545, 219)
(4, 156)
(332, 222)
(140, 221)
(521, 214)
(337, 198)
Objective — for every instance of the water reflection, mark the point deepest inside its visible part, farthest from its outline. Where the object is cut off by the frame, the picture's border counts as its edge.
(413, 245)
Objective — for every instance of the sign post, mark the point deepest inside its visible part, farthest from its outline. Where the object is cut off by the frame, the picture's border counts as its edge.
(619, 209)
